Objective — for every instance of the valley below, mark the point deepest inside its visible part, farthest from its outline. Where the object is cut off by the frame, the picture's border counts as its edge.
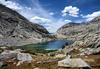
(26, 45)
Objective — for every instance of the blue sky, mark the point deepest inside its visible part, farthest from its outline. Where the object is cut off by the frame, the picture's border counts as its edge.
(52, 14)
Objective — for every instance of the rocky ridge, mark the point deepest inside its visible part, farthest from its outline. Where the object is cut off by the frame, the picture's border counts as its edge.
(86, 32)
(85, 35)
(16, 30)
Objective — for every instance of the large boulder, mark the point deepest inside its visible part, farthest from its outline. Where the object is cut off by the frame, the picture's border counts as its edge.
(24, 57)
(8, 54)
(73, 63)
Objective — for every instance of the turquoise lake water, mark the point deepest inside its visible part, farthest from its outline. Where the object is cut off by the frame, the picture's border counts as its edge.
(50, 45)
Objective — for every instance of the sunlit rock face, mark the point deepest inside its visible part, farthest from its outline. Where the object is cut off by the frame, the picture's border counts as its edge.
(16, 30)
(88, 32)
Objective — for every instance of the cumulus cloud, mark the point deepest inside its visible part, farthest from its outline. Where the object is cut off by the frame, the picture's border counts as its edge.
(89, 17)
(51, 13)
(67, 21)
(19, 8)
(10, 4)
(40, 20)
(70, 10)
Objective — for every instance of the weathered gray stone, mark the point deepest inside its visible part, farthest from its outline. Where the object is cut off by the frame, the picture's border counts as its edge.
(89, 51)
(75, 62)
(24, 57)
(1, 63)
(8, 54)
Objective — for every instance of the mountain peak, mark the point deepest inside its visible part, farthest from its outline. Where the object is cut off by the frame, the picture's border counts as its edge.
(17, 30)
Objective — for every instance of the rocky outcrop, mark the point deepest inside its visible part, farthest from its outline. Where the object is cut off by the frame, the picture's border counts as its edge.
(88, 33)
(73, 63)
(24, 57)
(15, 54)
(8, 54)
(16, 30)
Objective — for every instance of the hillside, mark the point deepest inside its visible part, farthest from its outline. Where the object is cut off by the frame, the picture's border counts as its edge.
(17, 30)
(88, 33)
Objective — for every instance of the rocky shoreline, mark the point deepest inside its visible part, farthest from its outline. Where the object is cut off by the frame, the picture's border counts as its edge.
(20, 59)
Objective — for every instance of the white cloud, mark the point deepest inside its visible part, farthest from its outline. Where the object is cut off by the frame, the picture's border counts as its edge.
(37, 19)
(67, 21)
(89, 17)
(50, 25)
(34, 10)
(70, 10)
(10, 4)
(57, 24)
(51, 13)
(2, 1)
